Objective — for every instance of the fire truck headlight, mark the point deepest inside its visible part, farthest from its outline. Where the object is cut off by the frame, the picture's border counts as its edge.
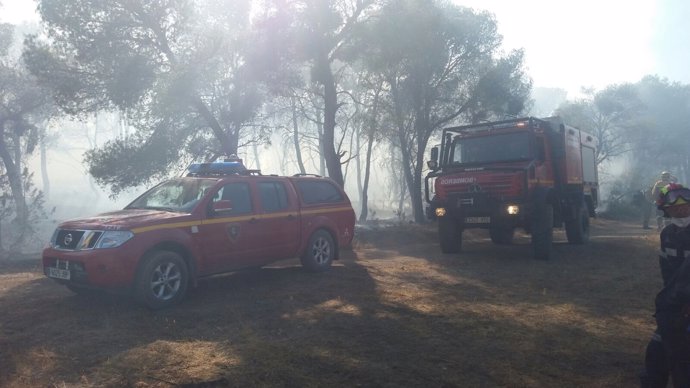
(440, 211)
(513, 209)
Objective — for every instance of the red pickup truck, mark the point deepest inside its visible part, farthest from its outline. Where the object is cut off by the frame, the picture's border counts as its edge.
(221, 217)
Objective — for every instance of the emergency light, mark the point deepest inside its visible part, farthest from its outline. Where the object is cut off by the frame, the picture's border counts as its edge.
(218, 168)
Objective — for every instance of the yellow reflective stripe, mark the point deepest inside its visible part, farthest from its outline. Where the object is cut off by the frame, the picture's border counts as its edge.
(327, 210)
(544, 181)
(247, 217)
(171, 225)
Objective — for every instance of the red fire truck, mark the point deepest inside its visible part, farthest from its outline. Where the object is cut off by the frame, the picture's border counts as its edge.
(529, 173)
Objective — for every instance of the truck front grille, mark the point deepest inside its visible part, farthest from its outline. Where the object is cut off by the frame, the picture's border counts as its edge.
(72, 240)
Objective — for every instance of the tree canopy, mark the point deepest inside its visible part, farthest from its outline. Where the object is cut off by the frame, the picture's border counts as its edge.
(181, 70)
(442, 65)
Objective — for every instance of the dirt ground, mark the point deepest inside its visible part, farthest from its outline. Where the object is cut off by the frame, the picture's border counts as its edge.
(393, 312)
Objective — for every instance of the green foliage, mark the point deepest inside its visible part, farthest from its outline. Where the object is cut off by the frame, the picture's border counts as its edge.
(648, 118)
(613, 115)
(184, 63)
(621, 202)
(15, 234)
(24, 107)
(135, 161)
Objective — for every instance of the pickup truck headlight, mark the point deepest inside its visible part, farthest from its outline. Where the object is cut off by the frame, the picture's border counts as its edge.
(113, 238)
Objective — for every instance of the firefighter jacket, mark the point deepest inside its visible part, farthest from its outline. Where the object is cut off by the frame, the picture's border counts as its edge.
(674, 260)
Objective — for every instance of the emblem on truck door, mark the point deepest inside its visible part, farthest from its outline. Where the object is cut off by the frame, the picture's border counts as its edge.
(233, 231)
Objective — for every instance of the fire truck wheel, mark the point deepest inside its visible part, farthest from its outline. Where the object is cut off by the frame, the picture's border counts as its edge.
(542, 232)
(161, 280)
(577, 230)
(502, 235)
(450, 235)
(318, 255)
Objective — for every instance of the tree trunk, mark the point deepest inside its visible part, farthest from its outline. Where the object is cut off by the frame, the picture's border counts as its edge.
(330, 100)
(322, 159)
(364, 196)
(255, 149)
(44, 169)
(295, 137)
(14, 177)
(228, 141)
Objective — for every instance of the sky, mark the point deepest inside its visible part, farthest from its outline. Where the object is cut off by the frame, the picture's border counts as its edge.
(595, 43)
(568, 44)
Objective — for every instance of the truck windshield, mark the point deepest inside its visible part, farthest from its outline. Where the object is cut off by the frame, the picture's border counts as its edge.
(497, 148)
(177, 195)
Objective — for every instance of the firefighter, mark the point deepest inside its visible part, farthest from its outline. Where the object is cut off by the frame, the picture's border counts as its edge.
(666, 178)
(668, 352)
(641, 199)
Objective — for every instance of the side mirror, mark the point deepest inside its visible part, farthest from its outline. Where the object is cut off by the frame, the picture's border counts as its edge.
(224, 205)
(433, 163)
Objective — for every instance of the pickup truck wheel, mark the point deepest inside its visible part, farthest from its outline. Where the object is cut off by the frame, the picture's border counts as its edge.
(542, 232)
(450, 235)
(577, 230)
(318, 255)
(502, 235)
(161, 280)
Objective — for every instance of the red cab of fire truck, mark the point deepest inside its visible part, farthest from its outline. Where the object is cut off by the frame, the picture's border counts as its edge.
(529, 173)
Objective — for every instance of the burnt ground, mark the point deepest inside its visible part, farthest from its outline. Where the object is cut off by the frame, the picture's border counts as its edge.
(392, 312)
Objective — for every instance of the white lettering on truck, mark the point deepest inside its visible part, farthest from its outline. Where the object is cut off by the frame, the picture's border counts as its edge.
(456, 181)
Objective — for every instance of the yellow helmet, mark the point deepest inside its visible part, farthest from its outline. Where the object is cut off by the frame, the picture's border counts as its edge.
(671, 195)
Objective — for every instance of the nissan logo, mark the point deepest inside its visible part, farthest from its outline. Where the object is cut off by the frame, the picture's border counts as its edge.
(68, 239)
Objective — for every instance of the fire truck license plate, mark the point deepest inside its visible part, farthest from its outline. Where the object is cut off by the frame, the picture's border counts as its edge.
(58, 273)
(477, 220)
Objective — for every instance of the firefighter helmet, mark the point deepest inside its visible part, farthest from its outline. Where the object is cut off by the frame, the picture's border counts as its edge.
(671, 195)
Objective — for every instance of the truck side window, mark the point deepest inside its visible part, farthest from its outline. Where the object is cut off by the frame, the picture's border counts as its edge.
(318, 192)
(239, 196)
(273, 196)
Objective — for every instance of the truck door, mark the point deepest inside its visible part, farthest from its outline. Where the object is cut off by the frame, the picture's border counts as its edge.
(229, 239)
(278, 214)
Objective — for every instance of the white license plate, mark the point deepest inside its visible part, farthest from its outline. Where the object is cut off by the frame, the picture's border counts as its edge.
(477, 220)
(58, 273)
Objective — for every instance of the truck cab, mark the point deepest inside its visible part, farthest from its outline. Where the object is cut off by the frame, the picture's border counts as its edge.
(527, 173)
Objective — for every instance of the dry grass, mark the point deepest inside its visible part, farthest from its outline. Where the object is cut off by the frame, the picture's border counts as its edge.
(392, 312)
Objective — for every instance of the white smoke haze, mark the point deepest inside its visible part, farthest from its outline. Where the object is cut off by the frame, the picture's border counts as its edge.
(617, 47)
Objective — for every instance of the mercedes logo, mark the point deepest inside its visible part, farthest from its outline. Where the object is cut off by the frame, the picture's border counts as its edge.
(68, 239)
(474, 188)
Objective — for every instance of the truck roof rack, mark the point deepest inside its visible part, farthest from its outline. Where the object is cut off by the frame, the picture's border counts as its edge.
(234, 167)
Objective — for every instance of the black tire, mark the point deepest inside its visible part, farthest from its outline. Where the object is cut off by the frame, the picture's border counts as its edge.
(542, 232)
(502, 235)
(450, 235)
(577, 229)
(319, 253)
(162, 280)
